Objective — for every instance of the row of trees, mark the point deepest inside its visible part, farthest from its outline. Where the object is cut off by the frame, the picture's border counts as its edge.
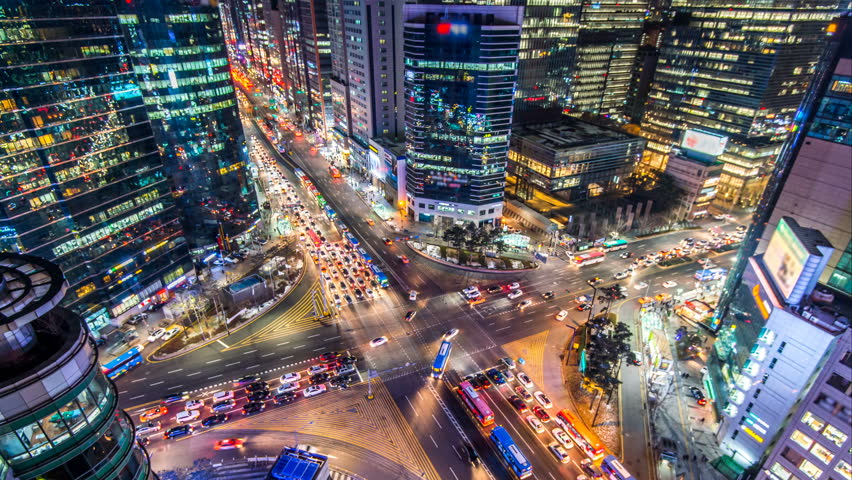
(475, 238)
(608, 342)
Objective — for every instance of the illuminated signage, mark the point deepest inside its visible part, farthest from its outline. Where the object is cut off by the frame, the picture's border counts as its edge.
(452, 28)
(703, 142)
(785, 258)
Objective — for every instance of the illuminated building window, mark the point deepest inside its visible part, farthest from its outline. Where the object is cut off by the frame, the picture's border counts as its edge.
(803, 440)
(811, 470)
(835, 435)
(813, 421)
(822, 453)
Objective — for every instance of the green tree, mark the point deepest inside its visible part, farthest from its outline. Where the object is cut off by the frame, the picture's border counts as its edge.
(455, 236)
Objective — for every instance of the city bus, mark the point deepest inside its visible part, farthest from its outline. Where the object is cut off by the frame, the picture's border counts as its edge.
(306, 182)
(380, 276)
(352, 240)
(441, 359)
(614, 469)
(613, 245)
(331, 214)
(366, 256)
(565, 420)
(589, 258)
(335, 173)
(314, 238)
(475, 403)
(321, 201)
(710, 274)
(695, 310)
(123, 363)
(510, 453)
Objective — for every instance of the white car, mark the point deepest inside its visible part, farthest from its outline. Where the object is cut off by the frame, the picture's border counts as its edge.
(377, 342)
(621, 275)
(669, 284)
(515, 294)
(535, 424)
(288, 387)
(412, 295)
(370, 293)
(524, 304)
(560, 453)
(290, 377)
(315, 369)
(514, 286)
(525, 380)
(450, 334)
(472, 295)
(640, 285)
(187, 416)
(542, 399)
(147, 428)
(562, 437)
(561, 315)
(193, 405)
(156, 334)
(471, 289)
(314, 390)
(346, 370)
(222, 396)
(171, 332)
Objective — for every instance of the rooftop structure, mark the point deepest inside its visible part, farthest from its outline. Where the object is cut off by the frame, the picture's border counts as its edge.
(299, 464)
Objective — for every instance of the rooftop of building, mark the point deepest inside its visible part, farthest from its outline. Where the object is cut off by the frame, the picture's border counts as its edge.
(297, 464)
(568, 133)
(810, 238)
(684, 156)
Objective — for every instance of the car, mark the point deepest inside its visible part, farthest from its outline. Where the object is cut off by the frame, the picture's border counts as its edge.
(640, 285)
(625, 255)
(347, 360)
(513, 286)
(584, 306)
(319, 378)
(483, 380)
(473, 295)
(174, 398)
(523, 393)
(139, 317)
(535, 423)
(193, 404)
(358, 294)
(559, 452)
(548, 295)
(637, 359)
(669, 284)
(508, 362)
(212, 420)
(562, 437)
(474, 382)
(187, 416)
(153, 413)
(318, 368)
(515, 294)
(348, 299)
(542, 399)
(156, 335)
(377, 342)
(476, 300)
(171, 332)
(524, 379)
(253, 407)
(346, 370)
(404, 259)
(258, 395)
(698, 395)
(524, 304)
(496, 376)
(450, 334)
(296, 376)
(494, 289)
(622, 275)
(223, 395)
(541, 414)
(471, 289)
(741, 228)
(178, 431)
(148, 428)
(342, 285)
(409, 315)
(284, 398)
(518, 404)
(228, 444)
(370, 221)
(387, 241)
(561, 315)
(223, 406)
(315, 390)
(247, 380)
(287, 387)
(412, 295)
(507, 374)
(594, 281)
(589, 467)
(257, 386)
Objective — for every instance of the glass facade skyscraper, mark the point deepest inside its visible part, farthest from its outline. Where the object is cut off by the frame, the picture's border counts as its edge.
(83, 183)
(181, 62)
(460, 70)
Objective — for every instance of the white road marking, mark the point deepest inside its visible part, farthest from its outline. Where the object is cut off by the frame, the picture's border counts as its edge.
(250, 351)
(138, 379)
(332, 338)
(123, 391)
(457, 477)
(284, 343)
(231, 364)
(436, 421)
(157, 383)
(214, 376)
(288, 356)
(268, 354)
(253, 366)
(300, 346)
(222, 343)
(137, 396)
(502, 328)
(191, 374)
(433, 441)
(173, 371)
(314, 335)
(416, 413)
(214, 361)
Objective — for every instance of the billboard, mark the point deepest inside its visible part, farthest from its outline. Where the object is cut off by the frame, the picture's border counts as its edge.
(703, 142)
(785, 258)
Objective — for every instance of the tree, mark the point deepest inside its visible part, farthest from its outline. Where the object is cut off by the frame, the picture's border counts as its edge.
(455, 236)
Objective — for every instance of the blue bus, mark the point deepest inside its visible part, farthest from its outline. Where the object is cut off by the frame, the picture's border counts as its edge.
(511, 454)
(366, 256)
(123, 363)
(614, 469)
(331, 214)
(442, 359)
(380, 276)
(352, 240)
(710, 274)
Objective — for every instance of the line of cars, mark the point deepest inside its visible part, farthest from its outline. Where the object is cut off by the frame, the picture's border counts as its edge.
(474, 296)
(335, 370)
(345, 272)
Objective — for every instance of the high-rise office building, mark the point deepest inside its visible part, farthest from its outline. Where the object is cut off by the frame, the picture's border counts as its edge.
(59, 415)
(460, 70)
(83, 183)
(739, 71)
(179, 56)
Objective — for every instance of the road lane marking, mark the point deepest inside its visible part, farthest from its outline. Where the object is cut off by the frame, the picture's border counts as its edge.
(196, 373)
(138, 379)
(457, 477)
(250, 351)
(433, 441)
(174, 387)
(214, 376)
(268, 354)
(223, 344)
(123, 391)
(318, 349)
(528, 321)
(300, 346)
(288, 356)
(502, 328)
(175, 371)
(214, 361)
(416, 413)
(332, 338)
(253, 366)
(137, 396)
(436, 421)
(283, 343)
(314, 335)
(155, 384)
(231, 364)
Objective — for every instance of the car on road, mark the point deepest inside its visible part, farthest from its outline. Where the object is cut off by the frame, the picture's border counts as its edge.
(559, 452)
(518, 404)
(669, 284)
(562, 437)
(496, 376)
(193, 405)
(170, 333)
(494, 289)
(213, 420)
(542, 399)
(387, 241)
(561, 315)
(508, 363)
(247, 380)
(287, 387)
(541, 414)
(637, 359)
(259, 395)
(345, 370)
(409, 315)
(621, 275)
(524, 304)
(284, 398)
(223, 395)
(257, 386)
(524, 379)
(625, 255)
(640, 285)
(347, 360)
(187, 416)
(178, 431)
(584, 306)
(594, 281)
(589, 467)
(318, 368)
(174, 398)
(153, 413)
(348, 299)
(476, 300)
(148, 428)
(412, 295)
(139, 317)
(156, 335)
(369, 221)
(253, 407)
(507, 374)
(548, 295)
(404, 259)
(470, 290)
(535, 423)
(451, 333)
(296, 376)
(377, 342)
(698, 395)
(315, 390)
(319, 378)
(483, 380)
(515, 294)
(523, 393)
(228, 444)
(358, 294)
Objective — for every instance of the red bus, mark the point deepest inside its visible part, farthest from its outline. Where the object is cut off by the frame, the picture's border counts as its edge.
(475, 403)
(314, 238)
(589, 258)
(566, 421)
(335, 173)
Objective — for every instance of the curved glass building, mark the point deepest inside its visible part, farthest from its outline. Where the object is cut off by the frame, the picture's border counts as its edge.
(59, 416)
